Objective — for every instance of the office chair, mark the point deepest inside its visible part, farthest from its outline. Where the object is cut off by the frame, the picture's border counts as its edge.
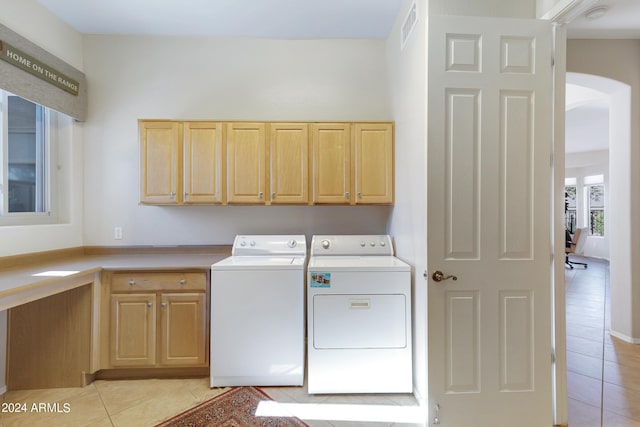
(572, 243)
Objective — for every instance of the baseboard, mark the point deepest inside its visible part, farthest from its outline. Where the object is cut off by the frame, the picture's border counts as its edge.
(418, 397)
(624, 337)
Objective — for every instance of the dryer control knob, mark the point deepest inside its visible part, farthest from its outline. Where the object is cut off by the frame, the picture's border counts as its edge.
(372, 244)
(362, 243)
(243, 243)
(252, 243)
(292, 243)
(382, 243)
(326, 244)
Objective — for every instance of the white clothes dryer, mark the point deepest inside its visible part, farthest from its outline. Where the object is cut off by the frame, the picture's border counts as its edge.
(257, 313)
(359, 316)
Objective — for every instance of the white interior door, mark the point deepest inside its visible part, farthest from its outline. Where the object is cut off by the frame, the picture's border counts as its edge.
(489, 210)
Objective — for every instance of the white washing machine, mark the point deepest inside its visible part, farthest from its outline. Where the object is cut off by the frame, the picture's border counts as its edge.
(257, 313)
(359, 316)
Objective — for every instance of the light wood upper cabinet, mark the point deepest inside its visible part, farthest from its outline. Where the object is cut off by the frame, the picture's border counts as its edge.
(246, 163)
(289, 163)
(331, 163)
(160, 156)
(203, 163)
(133, 330)
(373, 165)
(183, 328)
(266, 163)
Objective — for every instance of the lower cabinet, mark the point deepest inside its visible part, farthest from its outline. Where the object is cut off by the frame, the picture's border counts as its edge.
(158, 320)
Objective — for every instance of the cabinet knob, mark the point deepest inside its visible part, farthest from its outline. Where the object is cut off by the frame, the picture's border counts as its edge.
(172, 194)
(164, 304)
(273, 195)
(346, 194)
(132, 282)
(359, 195)
(182, 282)
(149, 304)
(260, 194)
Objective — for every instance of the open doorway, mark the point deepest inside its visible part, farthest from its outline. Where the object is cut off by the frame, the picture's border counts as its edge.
(605, 95)
(601, 370)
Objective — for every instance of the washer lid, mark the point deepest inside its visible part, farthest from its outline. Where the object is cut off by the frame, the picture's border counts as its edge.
(358, 263)
(259, 263)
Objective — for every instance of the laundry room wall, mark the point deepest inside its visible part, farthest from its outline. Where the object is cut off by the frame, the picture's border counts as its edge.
(36, 24)
(407, 80)
(196, 78)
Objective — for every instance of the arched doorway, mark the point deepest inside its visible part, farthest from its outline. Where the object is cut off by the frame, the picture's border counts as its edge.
(618, 97)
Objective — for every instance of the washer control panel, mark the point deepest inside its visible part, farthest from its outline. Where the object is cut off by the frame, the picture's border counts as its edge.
(351, 245)
(256, 245)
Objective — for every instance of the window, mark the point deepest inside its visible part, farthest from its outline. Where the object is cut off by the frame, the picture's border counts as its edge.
(26, 151)
(594, 196)
(570, 213)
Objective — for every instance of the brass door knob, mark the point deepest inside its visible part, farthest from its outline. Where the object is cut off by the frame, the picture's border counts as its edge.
(438, 276)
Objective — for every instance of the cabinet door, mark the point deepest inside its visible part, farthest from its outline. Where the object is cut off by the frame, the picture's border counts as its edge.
(289, 163)
(203, 163)
(331, 163)
(183, 334)
(373, 146)
(246, 163)
(161, 160)
(133, 330)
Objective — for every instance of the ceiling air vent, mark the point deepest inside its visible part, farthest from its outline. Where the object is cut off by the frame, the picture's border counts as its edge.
(408, 24)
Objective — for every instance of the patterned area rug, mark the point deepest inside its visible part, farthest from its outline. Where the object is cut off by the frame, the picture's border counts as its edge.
(233, 408)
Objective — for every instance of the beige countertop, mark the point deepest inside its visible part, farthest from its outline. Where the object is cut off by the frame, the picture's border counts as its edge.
(23, 284)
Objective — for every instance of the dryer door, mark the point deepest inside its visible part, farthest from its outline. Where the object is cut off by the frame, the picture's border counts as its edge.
(359, 321)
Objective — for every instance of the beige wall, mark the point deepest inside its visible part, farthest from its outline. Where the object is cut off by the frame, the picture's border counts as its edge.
(495, 8)
(407, 82)
(35, 23)
(218, 79)
(620, 60)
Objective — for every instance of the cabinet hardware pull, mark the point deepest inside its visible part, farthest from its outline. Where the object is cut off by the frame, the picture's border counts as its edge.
(346, 194)
(273, 195)
(132, 282)
(164, 304)
(182, 282)
(359, 195)
(149, 304)
(260, 194)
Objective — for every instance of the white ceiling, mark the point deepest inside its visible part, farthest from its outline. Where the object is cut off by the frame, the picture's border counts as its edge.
(289, 19)
(280, 19)
(622, 21)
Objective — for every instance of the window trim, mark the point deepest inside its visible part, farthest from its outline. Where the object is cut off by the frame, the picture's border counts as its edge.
(50, 127)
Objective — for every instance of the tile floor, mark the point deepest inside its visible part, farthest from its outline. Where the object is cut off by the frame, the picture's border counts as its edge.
(603, 372)
(146, 402)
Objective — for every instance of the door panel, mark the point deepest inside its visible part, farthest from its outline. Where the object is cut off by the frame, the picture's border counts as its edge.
(183, 329)
(133, 330)
(160, 156)
(289, 163)
(246, 160)
(203, 163)
(331, 163)
(373, 152)
(489, 216)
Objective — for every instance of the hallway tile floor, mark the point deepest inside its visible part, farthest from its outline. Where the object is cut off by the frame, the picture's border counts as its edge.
(603, 377)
